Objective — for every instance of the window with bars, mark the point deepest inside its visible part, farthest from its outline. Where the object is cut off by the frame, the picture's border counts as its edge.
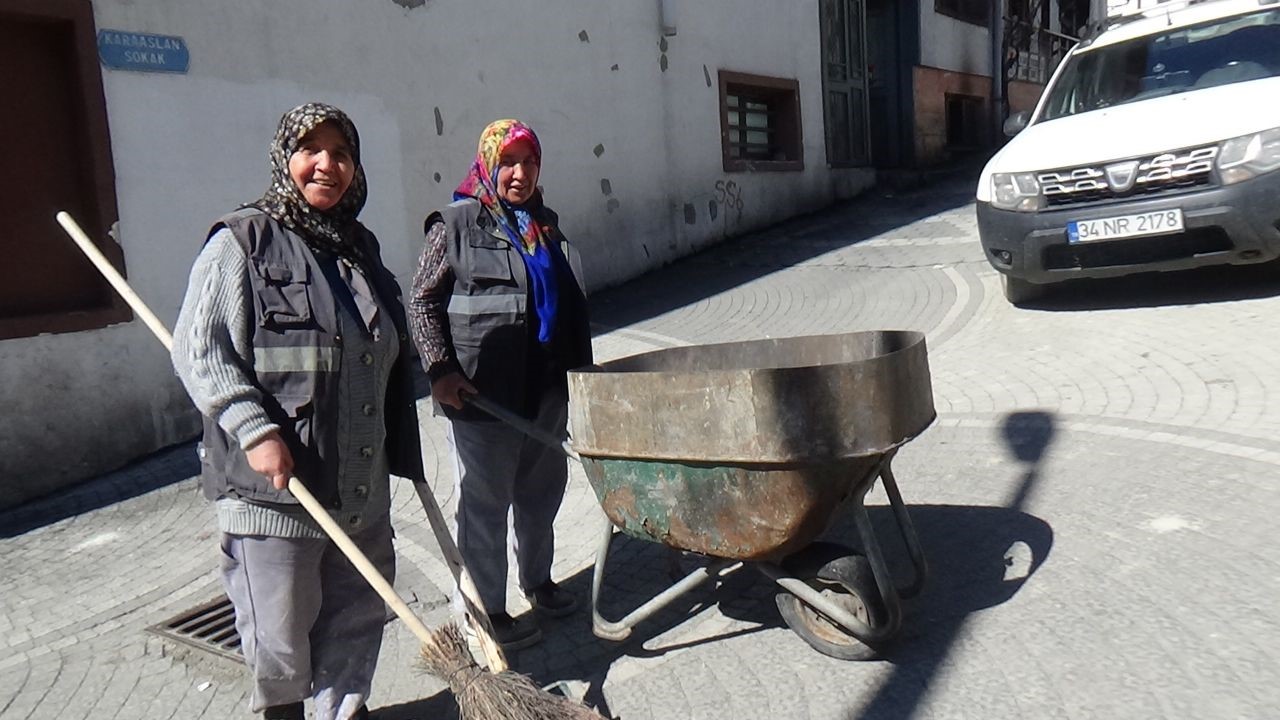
(760, 123)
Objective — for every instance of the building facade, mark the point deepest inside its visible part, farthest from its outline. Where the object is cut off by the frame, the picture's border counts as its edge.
(933, 93)
(667, 125)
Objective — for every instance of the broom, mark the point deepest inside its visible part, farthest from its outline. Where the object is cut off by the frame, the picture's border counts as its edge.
(494, 694)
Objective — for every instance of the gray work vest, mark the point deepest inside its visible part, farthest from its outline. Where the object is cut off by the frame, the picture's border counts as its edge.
(296, 364)
(490, 306)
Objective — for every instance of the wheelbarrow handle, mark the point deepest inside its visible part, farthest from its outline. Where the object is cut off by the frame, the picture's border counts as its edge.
(515, 421)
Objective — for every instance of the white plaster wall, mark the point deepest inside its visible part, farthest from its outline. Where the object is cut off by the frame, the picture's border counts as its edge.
(762, 38)
(188, 148)
(951, 44)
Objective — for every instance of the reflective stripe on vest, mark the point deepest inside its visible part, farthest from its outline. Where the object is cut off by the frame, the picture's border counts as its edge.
(295, 359)
(486, 304)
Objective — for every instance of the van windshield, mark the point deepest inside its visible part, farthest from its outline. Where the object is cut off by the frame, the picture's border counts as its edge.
(1221, 52)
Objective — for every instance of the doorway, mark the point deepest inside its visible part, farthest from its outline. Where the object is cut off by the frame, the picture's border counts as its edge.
(844, 81)
(889, 128)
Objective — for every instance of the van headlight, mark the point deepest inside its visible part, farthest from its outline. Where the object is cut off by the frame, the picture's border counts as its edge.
(1249, 156)
(1016, 191)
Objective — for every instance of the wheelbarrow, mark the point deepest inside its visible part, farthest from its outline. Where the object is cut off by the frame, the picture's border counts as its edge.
(745, 453)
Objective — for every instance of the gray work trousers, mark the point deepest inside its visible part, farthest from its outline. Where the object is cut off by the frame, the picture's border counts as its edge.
(499, 469)
(309, 624)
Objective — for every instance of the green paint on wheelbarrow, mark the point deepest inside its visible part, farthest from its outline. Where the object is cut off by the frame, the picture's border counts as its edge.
(735, 511)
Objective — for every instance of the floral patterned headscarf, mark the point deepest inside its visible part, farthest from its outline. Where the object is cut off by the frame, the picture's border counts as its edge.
(326, 230)
(481, 181)
(526, 232)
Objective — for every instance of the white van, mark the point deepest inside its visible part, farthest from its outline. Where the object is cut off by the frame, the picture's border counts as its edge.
(1155, 146)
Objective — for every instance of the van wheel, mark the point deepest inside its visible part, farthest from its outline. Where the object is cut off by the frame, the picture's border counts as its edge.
(1019, 292)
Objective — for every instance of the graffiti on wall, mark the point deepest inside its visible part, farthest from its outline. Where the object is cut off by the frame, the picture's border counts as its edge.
(724, 205)
(728, 195)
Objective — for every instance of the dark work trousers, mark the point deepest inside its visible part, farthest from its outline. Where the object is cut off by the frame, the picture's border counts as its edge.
(499, 469)
(309, 624)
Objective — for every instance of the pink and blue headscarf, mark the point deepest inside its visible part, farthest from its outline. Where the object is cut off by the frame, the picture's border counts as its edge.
(529, 234)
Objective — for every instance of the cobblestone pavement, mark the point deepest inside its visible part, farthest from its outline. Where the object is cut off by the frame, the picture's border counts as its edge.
(1095, 501)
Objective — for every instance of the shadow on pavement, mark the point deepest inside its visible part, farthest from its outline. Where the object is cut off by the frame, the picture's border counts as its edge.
(736, 261)
(1225, 283)
(636, 572)
(437, 707)
(159, 469)
(980, 557)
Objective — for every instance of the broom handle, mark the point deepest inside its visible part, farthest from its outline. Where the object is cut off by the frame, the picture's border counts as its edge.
(493, 653)
(117, 281)
(358, 559)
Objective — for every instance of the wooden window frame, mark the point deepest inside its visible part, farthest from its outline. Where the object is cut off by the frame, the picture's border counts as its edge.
(95, 139)
(790, 129)
(956, 9)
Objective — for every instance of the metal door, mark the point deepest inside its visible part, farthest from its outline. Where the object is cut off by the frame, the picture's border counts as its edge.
(844, 80)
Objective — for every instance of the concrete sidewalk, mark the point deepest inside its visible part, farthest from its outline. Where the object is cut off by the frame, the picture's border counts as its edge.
(1095, 500)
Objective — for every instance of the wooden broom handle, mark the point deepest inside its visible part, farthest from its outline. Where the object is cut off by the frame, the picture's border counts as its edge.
(493, 652)
(117, 281)
(359, 560)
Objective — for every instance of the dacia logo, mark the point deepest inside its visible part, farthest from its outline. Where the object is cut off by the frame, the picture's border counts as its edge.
(1120, 176)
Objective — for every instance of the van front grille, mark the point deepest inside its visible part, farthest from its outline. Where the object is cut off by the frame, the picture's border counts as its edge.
(1150, 175)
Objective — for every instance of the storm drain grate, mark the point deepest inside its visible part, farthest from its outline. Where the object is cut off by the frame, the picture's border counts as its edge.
(210, 627)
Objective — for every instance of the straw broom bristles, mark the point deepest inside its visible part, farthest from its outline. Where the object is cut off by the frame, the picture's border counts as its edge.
(483, 695)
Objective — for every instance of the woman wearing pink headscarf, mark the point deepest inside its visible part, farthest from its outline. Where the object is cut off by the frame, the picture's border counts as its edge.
(497, 308)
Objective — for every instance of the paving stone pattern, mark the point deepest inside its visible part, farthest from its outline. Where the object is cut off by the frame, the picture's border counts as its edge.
(1095, 500)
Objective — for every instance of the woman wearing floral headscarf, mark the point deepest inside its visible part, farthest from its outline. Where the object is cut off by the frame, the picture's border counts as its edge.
(292, 342)
(497, 308)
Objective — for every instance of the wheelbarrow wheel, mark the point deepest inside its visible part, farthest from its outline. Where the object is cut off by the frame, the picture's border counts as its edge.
(844, 578)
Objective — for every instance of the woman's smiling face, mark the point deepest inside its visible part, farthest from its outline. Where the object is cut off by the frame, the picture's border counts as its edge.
(323, 166)
(518, 168)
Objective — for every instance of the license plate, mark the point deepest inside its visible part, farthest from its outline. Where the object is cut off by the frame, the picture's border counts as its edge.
(1125, 226)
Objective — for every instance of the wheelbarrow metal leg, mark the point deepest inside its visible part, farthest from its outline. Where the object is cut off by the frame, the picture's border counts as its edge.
(621, 629)
(908, 533)
(890, 594)
(884, 580)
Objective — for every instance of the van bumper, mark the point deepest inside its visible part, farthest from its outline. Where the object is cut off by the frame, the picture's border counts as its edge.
(1233, 224)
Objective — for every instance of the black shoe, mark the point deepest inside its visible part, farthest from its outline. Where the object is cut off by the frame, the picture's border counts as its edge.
(513, 634)
(549, 598)
(362, 713)
(292, 711)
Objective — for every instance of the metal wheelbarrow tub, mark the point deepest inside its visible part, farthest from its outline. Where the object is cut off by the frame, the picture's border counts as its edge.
(732, 511)
(744, 452)
(786, 400)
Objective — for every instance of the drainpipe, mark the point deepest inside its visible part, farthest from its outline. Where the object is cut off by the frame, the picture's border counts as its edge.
(997, 72)
(667, 17)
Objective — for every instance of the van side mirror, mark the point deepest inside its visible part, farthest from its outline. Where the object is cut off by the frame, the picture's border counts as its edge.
(1016, 123)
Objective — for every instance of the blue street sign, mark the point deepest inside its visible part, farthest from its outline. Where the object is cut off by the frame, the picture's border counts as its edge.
(142, 52)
